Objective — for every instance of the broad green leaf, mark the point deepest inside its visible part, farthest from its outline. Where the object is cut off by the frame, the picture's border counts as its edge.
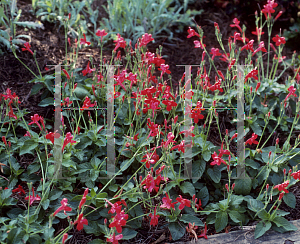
(49, 101)
(243, 186)
(280, 221)
(187, 187)
(289, 199)
(188, 218)
(176, 231)
(198, 169)
(264, 215)
(221, 220)
(261, 228)
(255, 205)
(128, 233)
(214, 174)
(235, 216)
(203, 195)
(28, 146)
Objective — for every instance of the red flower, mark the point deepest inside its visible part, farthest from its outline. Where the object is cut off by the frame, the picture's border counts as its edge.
(120, 42)
(181, 146)
(296, 175)
(169, 104)
(167, 203)
(165, 69)
(236, 24)
(203, 232)
(83, 40)
(119, 221)
(196, 112)
(252, 140)
(35, 120)
(50, 136)
(66, 73)
(258, 32)
(101, 33)
(261, 47)
(222, 152)
(87, 103)
(68, 140)
(199, 44)
(192, 32)
(19, 190)
(215, 52)
(154, 218)
(80, 222)
(282, 186)
(27, 134)
(33, 197)
(291, 90)
(146, 38)
(279, 40)
(248, 46)
(153, 127)
(188, 132)
(4, 140)
(150, 158)
(114, 239)
(217, 159)
(27, 47)
(83, 199)
(257, 86)
(183, 202)
(87, 70)
(252, 74)
(268, 8)
(64, 203)
(150, 183)
(65, 237)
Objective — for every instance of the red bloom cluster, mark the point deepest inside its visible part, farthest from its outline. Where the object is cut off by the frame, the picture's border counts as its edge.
(296, 175)
(35, 120)
(282, 186)
(269, 8)
(167, 202)
(120, 218)
(33, 197)
(67, 140)
(146, 38)
(64, 207)
(196, 112)
(252, 140)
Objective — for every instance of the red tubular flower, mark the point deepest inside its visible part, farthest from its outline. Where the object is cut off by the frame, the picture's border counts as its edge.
(65, 237)
(20, 190)
(215, 52)
(252, 74)
(66, 73)
(183, 202)
(199, 44)
(146, 38)
(203, 232)
(258, 32)
(101, 33)
(278, 15)
(114, 239)
(120, 42)
(248, 46)
(4, 140)
(268, 8)
(169, 104)
(154, 218)
(68, 140)
(88, 70)
(260, 48)
(83, 199)
(165, 69)
(188, 132)
(83, 40)
(119, 221)
(236, 24)
(27, 47)
(257, 86)
(278, 40)
(35, 120)
(281, 196)
(33, 197)
(296, 175)
(27, 134)
(282, 186)
(64, 203)
(80, 222)
(227, 188)
(291, 90)
(252, 140)
(192, 32)
(217, 159)
(167, 203)
(50, 136)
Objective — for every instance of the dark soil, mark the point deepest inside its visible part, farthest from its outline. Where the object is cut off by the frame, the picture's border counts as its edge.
(50, 50)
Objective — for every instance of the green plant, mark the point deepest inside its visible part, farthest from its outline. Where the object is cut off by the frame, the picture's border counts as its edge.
(9, 19)
(133, 18)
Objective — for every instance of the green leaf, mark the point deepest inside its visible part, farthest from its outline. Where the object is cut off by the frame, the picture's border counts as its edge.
(280, 221)
(256, 128)
(49, 101)
(203, 195)
(198, 169)
(176, 231)
(221, 221)
(187, 187)
(255, 205)
(55, 194)
(215, 174)
(30, 24)
(289, 199)
(261, 228)
(36, 88)
(45, 204)
(243, 186)
(264, 215)
(236, 216)
(128, 233)
(188, 218)
(28, 146)
(206, 155)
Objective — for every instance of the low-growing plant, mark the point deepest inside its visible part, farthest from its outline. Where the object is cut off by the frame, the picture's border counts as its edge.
(152, 141)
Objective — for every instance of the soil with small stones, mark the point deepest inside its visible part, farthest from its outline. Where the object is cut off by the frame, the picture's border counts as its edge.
(49, 44)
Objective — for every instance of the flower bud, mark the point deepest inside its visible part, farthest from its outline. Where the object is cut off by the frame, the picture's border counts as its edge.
(226, 131)
(267, 187)
(281, 196)
(69, 16)
(105, 221)
(269, 113)
(278, 15)
(226, 186)
(277, 141)
(257, 86)
(284, 171)
(234, 136)
(233, 185)
(193, 197)
(214, 103)
(270, 154)
(251, 90)
(290, 171)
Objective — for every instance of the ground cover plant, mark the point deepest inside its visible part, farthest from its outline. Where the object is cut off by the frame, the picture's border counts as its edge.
(151, 139)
